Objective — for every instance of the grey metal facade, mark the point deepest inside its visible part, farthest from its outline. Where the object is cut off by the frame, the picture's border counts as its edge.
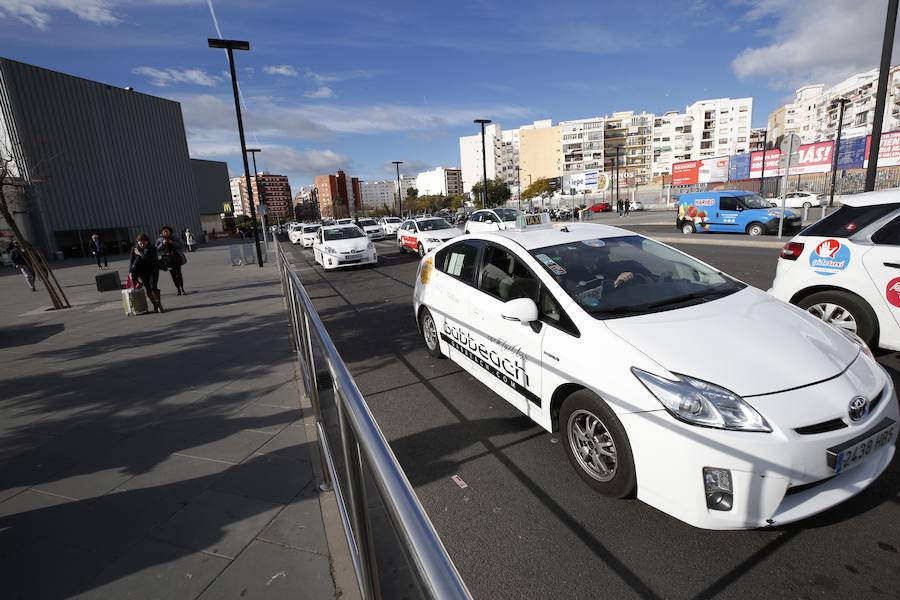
(212, 185)
(98, 157)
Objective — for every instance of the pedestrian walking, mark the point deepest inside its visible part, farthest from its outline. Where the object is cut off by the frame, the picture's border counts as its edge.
(620, 206)
(97, 249)
(171, 259)
(17, 256)
(189, 240)
(627, 206)
(144, 268)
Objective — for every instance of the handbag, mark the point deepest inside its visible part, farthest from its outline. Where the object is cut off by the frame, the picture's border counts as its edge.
(180, 258)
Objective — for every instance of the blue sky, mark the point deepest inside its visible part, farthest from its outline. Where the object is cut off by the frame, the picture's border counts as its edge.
(355, 85)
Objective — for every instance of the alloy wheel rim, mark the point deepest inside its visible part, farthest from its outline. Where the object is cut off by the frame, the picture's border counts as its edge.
(592, 445)
(834, 314)
(430, 332)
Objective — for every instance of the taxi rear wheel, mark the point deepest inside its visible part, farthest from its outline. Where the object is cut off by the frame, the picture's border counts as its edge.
(596, 444)
(845, 311)
(429, 333)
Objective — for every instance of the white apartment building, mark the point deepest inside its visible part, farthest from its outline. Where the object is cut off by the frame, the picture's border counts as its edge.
(441, 181)
(720, 126)
(630, 138)
(406, 182)
(378, 194)
(813, 113)
(238, 199)
(470, 155)
(673, 141)
(582, 144)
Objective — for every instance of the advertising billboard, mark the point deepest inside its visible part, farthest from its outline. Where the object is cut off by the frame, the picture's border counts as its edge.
(852, 153)
(811, 158)
(708, 170)
(888, 149)
(739, 167)
(685, 173)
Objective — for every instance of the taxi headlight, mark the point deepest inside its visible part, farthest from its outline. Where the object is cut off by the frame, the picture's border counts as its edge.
(701, 403)
(329, 250)
(433, 240)
(371, 246)
(856, 340)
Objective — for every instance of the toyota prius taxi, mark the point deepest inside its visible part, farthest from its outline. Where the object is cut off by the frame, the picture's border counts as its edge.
(666, 379)
(343, 246)
(424, 234)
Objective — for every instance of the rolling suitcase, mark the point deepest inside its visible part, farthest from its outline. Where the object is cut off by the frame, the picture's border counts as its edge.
(107, 282)
(135, 301)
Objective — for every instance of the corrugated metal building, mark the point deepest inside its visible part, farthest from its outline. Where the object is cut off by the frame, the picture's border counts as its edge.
(213, 192)
(100, 159)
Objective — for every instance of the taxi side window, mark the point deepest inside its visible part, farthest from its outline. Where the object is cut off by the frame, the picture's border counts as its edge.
(490, 218)
(476, 218)
(460, 260)
(552, 314)
(505, 277)
(889, 235)
(728, 203)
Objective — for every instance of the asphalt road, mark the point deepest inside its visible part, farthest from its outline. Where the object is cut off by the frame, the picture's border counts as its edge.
(526, 526)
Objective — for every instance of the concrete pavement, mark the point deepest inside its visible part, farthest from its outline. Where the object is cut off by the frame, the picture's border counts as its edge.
(157, 456)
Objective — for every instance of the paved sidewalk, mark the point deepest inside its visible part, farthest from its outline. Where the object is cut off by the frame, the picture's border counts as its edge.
(158, 456)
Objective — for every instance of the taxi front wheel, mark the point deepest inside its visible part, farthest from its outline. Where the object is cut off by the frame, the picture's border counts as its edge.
(596, 444)
(844, 310)
(429, 333)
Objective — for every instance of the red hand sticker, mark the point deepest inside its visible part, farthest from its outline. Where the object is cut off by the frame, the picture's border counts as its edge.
(893, 292)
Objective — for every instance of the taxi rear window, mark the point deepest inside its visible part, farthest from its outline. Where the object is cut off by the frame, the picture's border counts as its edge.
(848, 220)
(459, 260)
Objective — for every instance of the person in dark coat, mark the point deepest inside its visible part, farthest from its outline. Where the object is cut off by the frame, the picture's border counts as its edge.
(21, 263)
(168, 249)
(97, 249)
(144, 268)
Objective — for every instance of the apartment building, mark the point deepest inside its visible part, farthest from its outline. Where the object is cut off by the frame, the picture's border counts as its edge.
(470, 155)
(239, 200)
(582, 144)
(275, 191)
(378, 194)
(813, 113)
(540, 152)
(759, 139)
(721, 126)
(340, 196)
(673, 141)
(628, 142)
(406, 182)
(441, 181)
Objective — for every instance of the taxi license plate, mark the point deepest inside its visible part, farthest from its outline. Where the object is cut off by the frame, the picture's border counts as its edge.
(854, 452)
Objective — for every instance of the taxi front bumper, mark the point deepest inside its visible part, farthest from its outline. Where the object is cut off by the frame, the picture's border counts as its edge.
(776, 478)
(334, 261)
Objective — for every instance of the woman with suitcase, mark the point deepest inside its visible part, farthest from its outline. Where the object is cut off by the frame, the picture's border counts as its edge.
(144, 267)
(171, 259)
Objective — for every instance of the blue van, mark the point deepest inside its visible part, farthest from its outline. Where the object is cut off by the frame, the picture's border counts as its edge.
(735, 211)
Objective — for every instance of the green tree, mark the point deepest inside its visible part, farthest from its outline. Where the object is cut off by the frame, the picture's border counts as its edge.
(497, 191)
(537, 188)
(456, 202)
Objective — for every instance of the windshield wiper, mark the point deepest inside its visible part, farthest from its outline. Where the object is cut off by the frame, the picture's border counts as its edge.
(648, 306)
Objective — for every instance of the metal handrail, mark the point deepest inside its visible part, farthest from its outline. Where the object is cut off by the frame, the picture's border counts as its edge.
(362, 440)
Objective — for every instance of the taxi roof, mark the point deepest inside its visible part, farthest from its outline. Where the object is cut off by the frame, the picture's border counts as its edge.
(559, 233)
(872, 198)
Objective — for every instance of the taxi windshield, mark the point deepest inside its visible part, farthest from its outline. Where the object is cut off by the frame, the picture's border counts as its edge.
(366, 222)
(631, 275)
(507, 214)
(755, 201)
(343, 233)
(310, 229)
(391, 219)
(433, 224)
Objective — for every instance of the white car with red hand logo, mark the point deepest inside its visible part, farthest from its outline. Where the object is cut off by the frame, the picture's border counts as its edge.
(424, 234)
(845, 269)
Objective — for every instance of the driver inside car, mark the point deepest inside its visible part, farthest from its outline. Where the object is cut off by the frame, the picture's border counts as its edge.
(598, 264)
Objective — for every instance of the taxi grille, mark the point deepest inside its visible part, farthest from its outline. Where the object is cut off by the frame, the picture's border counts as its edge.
(802, 488)
(824, 426)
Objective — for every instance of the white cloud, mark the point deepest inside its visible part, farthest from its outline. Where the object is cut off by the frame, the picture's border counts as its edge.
(322, 92)
(38, 13)
(283, 70)
(167, 77)
(408, 168)
(812, 41)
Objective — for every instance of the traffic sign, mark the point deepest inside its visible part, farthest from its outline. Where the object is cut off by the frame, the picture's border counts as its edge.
(783, 160)
(790, 144)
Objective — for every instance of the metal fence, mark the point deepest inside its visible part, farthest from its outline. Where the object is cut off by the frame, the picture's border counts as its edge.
(393, 545)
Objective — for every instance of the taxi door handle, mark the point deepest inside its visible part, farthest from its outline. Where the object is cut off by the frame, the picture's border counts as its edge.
(892, 265)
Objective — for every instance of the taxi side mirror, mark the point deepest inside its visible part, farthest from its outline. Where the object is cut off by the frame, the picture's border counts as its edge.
(523, 310)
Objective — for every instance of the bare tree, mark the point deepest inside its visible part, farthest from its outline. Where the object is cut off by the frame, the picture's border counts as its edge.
(32, 255)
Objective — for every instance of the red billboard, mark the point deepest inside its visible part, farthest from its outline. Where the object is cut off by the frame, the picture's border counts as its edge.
(888, 149)
(811, 158)
(707, 170)
(685, 173)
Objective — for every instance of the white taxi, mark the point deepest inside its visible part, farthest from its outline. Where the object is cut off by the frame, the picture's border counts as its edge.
(343, 246)
(492, 219)
(373, 230)
(308, 234)
(295, 231)
(390, 224)
(845, 269)
(666, 378)
(424, 233)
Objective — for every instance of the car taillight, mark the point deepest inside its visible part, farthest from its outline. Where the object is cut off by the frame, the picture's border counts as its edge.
(792, 251)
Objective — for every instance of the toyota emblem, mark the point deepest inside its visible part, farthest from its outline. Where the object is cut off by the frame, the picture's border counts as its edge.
(859, 408)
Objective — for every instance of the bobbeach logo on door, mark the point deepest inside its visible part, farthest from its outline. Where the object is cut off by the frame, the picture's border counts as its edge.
(829, 257)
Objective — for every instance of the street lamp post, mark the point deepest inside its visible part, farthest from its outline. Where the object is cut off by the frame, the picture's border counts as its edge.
(881, 95)
(397, 164)
(519, 186)
(230, 46)
(841, 102)
(484, 194)
(261, 194)
(762, 175)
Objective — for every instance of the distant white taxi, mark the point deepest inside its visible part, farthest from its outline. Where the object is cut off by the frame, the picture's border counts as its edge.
(390, 224)
(845, 269)
(424, 234)
(491, 219)
(343, 246)
(373, 230)
(308, 234)
(666, 378)
(295, 232)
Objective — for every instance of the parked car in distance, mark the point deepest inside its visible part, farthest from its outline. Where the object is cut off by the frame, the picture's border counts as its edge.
(799, 200)
(601, 207)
